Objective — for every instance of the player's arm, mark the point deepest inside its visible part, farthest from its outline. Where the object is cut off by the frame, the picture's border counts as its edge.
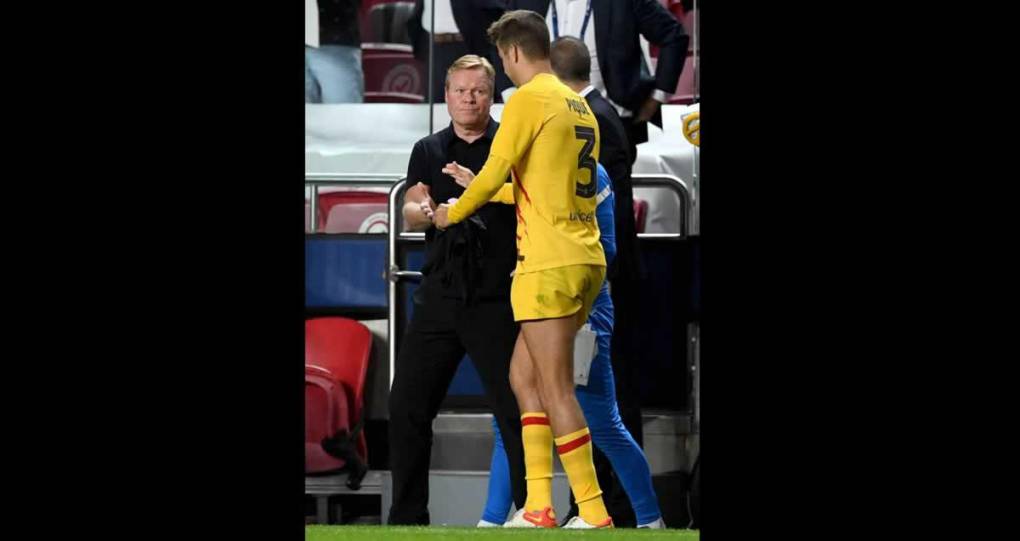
(505, 194)
(464, 176)
(522, 119)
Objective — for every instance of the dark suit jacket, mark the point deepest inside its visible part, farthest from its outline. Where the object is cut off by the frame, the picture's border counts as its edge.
(617, 26)
(614, 155)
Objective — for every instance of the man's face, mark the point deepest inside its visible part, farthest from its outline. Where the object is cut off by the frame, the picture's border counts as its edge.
(468, 96)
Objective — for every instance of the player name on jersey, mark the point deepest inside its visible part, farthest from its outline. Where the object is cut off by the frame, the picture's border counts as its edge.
(576, 106)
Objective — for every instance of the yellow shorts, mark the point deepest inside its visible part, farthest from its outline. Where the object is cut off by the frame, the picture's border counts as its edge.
(556, 292)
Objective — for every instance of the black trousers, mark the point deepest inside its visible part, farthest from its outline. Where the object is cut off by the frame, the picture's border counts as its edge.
(441, 331)
(626, 373)
(637, 133)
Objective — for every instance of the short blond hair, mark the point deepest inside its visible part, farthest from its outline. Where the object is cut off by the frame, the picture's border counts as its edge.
(473, 61)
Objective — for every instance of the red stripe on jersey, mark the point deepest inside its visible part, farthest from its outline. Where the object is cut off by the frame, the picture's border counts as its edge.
(517, 179)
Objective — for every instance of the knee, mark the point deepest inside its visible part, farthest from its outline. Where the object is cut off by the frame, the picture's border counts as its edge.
(521, 384)
(559, 391)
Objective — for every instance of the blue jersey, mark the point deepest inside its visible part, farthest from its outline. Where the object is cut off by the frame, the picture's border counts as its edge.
(601, 316)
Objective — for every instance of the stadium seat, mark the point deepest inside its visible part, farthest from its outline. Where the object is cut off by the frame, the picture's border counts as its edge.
(393, 97)
(392, 68)
(386, 22)
(326, 414)
(353, 212)
(640, 214)
(685, 88)
(337, 352)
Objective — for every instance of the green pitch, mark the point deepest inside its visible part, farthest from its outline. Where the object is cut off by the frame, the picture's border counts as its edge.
(439, 533)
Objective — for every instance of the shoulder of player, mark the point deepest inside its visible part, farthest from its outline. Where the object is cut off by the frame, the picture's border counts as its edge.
(528, 92)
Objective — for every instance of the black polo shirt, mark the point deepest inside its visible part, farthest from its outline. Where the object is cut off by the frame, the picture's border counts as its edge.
(428, 157)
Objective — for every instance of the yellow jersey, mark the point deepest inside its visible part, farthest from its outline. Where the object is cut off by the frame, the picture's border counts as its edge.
(549, 139)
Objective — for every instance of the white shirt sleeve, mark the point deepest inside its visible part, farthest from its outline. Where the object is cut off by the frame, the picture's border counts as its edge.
(311, 23)
(445, 23)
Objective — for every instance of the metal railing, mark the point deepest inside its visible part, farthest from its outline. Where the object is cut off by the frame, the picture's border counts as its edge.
(314, 180)
(678, 185)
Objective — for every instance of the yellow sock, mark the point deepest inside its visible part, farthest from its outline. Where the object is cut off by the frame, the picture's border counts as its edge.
(537, 438)
(576, 456)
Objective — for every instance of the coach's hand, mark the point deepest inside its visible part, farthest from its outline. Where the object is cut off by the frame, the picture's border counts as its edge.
(461, 175)
(427, 205)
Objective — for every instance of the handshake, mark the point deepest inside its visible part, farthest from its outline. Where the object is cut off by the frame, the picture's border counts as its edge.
(438, 214)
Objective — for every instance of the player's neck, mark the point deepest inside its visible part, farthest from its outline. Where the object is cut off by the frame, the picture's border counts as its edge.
(576, 86)
(471, 133)
(531, 69)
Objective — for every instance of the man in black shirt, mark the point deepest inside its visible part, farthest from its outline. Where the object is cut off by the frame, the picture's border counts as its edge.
(445, 324)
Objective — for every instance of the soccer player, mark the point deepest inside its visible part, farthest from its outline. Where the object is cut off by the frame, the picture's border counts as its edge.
(597, 398)
(548, 139)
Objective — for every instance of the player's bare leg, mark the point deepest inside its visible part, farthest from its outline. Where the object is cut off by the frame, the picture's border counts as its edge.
(550, 356)
(537, 439)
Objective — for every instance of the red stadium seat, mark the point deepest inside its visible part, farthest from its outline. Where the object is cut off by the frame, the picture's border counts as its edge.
(337, 352)
(386, 22)
(367, 5)
(640, 214)
(392, 68)
(393, 97)
(326, 414)
(685, 88)
(686, 19)
(353, 212)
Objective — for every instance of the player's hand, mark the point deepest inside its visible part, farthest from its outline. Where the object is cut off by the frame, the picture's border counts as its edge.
(427, 205)
(444, 209)
(461, 175)
(441, 217)
(648, 109)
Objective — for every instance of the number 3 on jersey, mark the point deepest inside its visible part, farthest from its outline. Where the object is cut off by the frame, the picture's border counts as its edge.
(585, 161)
